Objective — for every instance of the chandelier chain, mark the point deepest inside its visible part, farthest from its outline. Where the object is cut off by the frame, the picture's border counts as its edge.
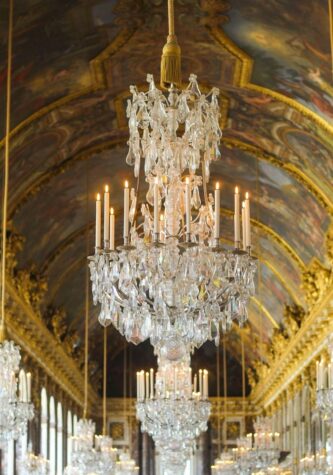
(6, 167)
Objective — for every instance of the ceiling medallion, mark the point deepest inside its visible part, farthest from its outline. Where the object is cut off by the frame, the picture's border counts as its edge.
(171, 280)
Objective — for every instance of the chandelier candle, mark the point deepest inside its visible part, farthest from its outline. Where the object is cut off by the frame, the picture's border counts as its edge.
(188, 208)
(237, 218)
(112, 230)
(126, 213)
(247, 221)
(98, 241)
(217, 213)
(156, 211)
(243, 226)
(106, 218)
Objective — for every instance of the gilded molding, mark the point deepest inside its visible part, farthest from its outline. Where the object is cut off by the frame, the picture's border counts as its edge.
(297, 352)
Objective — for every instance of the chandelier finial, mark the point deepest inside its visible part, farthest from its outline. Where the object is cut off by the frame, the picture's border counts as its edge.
(171, 55)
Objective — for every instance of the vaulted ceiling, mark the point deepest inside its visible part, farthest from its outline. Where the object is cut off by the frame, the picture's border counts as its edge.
(73, 62)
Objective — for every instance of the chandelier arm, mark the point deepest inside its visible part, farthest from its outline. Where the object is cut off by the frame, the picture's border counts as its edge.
(6, 169)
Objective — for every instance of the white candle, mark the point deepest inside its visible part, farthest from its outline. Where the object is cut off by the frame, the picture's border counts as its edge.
(188, 205)
(243, 226)
(237, 217)
(247, 220)
(112, 229)
(147, 385)
(200, 383)
(29, 386)
(106, 216)
(126, 211)
(151, 384)
(205, 384)
(143, 384)
(217, 211)
(162, 228)
(195, 384)
(138, 386)
(190, 379)
(98, 221)
(156, 209)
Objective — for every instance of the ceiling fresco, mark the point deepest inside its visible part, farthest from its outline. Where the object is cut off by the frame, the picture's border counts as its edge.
(73, 62)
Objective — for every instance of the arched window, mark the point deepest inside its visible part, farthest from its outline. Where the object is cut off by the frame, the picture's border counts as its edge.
(69, 437)
(44, 424)
(60, 444)
(52, 438)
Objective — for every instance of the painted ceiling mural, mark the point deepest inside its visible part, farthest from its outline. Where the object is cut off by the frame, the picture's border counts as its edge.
(73, 63)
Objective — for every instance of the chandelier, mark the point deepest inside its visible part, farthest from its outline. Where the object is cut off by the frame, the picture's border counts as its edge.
(88, 459)
(16, 408)
(224, 465)
(34, 464)
(125, 465)
(171, 278)
(324, 390)
(259, 451)
(173, 408)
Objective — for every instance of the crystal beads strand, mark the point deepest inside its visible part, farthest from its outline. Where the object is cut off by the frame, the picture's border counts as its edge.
(173, 408)
(16, 408)
(171, 278)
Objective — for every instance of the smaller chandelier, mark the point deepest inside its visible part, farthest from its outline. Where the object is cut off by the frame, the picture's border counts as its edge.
(325, 389)
(34, 464)
(125, 465)
(16, 408)
(258, 451)
(87, 459)
(224, 465)
(173, 408)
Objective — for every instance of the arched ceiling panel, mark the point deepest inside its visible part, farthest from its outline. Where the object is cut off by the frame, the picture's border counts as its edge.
(290, 46)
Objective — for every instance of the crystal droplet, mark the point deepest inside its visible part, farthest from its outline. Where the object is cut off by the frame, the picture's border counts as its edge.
(132, 210)
(150, 194)
(207, 171)
(137, 166)
(196, 200)
(130, 158)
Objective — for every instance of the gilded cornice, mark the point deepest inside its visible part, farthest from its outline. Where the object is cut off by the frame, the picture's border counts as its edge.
(29, 331)
(297, 353)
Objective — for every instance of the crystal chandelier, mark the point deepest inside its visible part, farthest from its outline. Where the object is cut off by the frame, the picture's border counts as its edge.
(125, 465)
(173, 409)
(325, 386)
(224, 465)
(16, 408)
(88, 459)
(171, 278)
(259, 451)
(34, 465)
